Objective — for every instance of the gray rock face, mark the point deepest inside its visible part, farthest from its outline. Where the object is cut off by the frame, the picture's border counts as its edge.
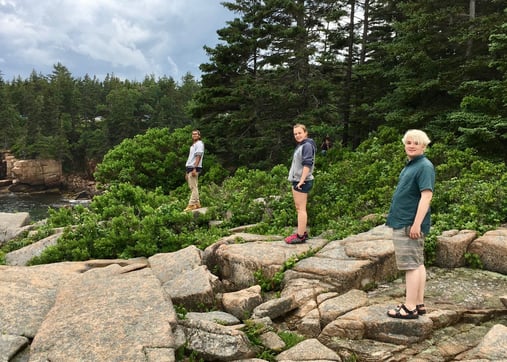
(309, 350)
(10, 345)
(24, 255)
(12, 225)
(241, 303)
(216, 342)
(452, 246)
(336, 301)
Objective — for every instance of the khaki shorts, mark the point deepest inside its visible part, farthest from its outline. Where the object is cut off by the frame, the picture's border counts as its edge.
(409, 253)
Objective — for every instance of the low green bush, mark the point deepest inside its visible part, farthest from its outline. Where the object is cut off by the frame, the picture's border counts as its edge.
(155, 159)
(130, 220)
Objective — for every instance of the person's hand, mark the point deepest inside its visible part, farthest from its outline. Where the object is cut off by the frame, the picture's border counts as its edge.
(415, 232)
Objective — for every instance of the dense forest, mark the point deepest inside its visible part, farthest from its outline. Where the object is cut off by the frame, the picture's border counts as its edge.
(344, 68)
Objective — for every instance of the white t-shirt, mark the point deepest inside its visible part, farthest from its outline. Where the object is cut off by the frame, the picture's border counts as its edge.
(197, 149)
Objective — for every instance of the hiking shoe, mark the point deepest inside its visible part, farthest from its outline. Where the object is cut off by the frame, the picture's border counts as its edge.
(192, 207)
(296, 239)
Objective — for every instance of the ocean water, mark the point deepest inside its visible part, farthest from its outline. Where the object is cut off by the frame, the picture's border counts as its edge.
(37, 205)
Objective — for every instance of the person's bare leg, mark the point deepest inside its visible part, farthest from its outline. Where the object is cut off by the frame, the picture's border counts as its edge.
(422, 285)
(300, 199)
(412, 286)
(415, 281)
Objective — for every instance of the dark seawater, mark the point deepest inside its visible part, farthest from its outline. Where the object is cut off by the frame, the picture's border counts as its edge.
(36, 205)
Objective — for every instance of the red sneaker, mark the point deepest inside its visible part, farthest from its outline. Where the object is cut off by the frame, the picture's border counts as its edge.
(296, 239)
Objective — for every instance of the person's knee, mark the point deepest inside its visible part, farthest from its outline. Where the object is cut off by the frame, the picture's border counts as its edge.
(301, 212)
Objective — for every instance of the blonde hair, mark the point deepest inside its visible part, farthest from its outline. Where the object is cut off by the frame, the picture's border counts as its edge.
(419, 137)
(299, 125)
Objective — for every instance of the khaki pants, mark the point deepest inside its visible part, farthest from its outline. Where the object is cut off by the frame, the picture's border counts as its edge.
(192, 184)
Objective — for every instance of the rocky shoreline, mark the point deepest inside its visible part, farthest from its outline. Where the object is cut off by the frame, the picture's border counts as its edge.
(336, 300)
(72, 185)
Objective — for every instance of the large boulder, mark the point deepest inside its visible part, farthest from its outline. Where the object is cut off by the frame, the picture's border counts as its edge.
(105, 313)
(452, 246)
(216, 342)
(47, 173)
(491, 249)
(12, 225)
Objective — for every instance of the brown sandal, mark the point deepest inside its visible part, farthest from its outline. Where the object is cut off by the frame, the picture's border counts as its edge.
(409, 314)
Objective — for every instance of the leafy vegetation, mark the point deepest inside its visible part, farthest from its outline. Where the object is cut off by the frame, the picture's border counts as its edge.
(352, 194)
(474, 261)
(343, 68)
(77, 121)
(438, 65)
(274, 283)
(254, 330)
(150, 160)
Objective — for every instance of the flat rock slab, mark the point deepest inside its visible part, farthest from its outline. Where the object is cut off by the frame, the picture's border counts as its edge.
(104, 316)
(33, 291)
(238, 263)
(10, 345)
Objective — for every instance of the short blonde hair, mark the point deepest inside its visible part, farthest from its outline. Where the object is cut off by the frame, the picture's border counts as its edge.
(419, 137)
(299, 125)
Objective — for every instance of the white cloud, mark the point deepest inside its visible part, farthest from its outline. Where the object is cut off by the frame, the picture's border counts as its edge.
(128, 38)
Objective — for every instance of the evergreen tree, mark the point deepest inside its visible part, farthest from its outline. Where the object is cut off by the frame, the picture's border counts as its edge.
(9, 118)
(481, 121)
(431, 59)
(263, 78)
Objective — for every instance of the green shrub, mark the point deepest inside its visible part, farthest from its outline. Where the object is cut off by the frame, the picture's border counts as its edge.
(250, 196)
(144, 216)
(474, 261)
(154, 159)
(126, 222)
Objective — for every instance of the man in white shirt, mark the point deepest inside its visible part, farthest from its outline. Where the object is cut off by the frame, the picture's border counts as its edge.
(193, 168)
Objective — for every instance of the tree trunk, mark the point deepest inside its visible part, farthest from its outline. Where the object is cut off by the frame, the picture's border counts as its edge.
(364, 41)
(348, 77)
(471, 16)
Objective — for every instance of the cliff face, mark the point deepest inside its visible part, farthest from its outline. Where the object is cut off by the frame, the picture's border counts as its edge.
(38, 174)
(46, 173)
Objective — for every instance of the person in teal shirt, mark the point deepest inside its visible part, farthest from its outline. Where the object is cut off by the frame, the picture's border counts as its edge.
(410, 218)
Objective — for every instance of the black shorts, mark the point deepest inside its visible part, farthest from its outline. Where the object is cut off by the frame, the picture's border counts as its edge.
(305, 188)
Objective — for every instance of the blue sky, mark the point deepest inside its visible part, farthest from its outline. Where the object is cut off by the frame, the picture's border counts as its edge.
(127, 38)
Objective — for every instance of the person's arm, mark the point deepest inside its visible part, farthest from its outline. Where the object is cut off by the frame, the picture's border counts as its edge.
(306, 171)
(422, 209)
(308, 154)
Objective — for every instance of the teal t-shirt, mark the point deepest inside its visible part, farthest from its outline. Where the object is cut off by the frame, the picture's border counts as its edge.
(417, 175)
